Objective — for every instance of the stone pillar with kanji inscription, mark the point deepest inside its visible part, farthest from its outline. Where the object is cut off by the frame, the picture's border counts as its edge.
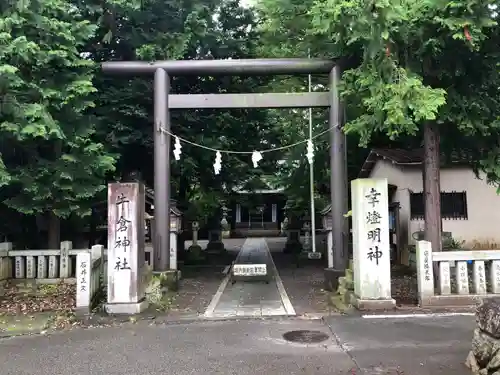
(126, 259)
(371, 246)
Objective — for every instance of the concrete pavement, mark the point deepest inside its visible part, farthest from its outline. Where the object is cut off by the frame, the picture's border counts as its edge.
(416, 346)
(252, 298)
(413, 346)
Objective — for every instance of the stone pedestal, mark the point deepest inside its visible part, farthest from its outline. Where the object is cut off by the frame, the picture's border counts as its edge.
(215, 244)
(194, 251)
(371, 246)
(169, 280)
(425, 271)
(332, 276)
(126, 262)
(293, 244)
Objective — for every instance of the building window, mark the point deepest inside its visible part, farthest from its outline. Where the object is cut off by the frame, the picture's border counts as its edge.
(453, 205)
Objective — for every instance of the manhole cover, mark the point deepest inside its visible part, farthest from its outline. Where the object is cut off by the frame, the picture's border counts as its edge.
(306, 337)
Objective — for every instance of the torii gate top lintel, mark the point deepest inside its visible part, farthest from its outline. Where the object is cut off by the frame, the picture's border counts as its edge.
(283, 66)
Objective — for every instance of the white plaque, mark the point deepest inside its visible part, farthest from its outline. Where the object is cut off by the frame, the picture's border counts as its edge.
(444, 278)
(64, 261)
(83, 273)
(173, 250)
(30, 267)
(249, 270)
(425, 271)
(53, 267)
(479, 277)
(19, 270)
(41, 267)
(495, 276)
(314, 255)
(462, 277)
(329, 248)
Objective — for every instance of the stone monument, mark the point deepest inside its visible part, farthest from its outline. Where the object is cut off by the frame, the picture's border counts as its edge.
(226, 227)
(371, 246)
(126, 261)
(194, 250)
(484, 358)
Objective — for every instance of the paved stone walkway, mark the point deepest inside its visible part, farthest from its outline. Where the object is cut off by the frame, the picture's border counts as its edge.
(251, 298)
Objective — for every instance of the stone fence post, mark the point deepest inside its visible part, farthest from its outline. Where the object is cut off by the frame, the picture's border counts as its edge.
(425, 273)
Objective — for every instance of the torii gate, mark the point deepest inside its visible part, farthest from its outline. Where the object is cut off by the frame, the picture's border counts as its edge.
(164, 102)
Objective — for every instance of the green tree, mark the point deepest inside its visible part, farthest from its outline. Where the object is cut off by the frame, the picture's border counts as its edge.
(50, 163)
(416, 68)
(163, 29)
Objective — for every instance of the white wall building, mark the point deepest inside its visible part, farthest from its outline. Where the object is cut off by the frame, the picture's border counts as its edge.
(470, 206)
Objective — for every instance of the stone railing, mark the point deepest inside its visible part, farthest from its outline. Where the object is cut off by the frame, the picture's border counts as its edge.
(87, 268)
(476, 275)
(43, 266)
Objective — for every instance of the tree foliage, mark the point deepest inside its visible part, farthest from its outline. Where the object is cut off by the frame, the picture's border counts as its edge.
(51, 162)
(67, 129)
(169, 30)
(405, 63)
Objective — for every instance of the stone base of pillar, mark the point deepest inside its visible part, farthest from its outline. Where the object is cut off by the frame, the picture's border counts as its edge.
(373, 304)
(215, 246)
(332, 276)
(169, 280)
(126, 308)
(292, 246)
(194, 254)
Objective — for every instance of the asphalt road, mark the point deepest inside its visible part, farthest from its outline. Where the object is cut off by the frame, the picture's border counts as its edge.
(355, 346)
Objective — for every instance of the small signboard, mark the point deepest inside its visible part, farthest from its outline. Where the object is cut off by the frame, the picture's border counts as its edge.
(314, 255)
(250, 270)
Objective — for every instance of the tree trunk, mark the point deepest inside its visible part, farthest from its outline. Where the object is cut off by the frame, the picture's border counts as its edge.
(432, 189)
(54, 231)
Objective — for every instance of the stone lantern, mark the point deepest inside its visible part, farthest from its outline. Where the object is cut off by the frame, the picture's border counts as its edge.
(175, 229)
(326, 216)
(194, 251)
(307, 236)
(292, 244)
(215, 244)
(225, 226)
(175, 218)
(195, 227)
